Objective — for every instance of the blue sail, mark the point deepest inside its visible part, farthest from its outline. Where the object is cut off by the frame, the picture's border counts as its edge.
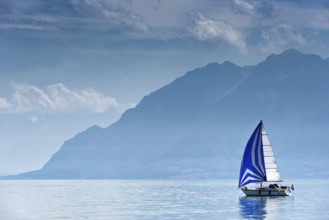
(253, 165)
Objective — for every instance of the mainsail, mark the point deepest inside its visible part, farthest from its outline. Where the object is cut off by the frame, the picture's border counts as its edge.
(272, 171)
(258, 162)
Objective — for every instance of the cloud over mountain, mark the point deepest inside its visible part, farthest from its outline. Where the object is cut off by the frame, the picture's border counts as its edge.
(208, 29)
(228, 21)
(280, 36)
(114, 12)
(55, 98)
(254, 8)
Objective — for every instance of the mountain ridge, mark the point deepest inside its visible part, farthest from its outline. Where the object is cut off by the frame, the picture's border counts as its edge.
(197, 126)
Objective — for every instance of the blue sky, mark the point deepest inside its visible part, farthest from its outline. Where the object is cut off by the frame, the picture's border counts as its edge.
(66, 65)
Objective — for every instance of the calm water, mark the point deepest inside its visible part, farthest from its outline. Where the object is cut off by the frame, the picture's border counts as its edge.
(140, 199)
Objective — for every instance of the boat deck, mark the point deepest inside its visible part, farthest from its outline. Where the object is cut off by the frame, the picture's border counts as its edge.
(265, 191)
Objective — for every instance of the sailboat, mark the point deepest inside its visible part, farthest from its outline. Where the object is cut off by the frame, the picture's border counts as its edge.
(258, 166)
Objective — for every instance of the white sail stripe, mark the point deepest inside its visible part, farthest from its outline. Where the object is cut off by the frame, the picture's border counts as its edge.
(247, 171)
(250, 178)
(253, 153)
(246, 180)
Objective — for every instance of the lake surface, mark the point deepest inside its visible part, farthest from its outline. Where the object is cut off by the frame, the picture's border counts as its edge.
(156, 199)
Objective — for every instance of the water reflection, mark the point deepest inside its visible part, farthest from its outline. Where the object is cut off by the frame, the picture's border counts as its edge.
(263, 207)
(253, 207)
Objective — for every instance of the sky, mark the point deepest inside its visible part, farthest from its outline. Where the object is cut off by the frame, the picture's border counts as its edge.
(66, 65)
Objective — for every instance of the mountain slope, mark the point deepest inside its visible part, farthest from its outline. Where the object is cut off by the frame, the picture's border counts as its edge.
(197, 126)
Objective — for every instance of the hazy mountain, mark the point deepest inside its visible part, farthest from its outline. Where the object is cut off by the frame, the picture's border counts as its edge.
(198, 125)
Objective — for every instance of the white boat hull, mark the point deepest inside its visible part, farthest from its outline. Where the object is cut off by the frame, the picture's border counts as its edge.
(267, 191)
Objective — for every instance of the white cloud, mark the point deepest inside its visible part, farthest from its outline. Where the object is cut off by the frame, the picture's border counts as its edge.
(132, 105)
(207, 29)
(255, 8)
(244, 6)
(4, 103)
(114, 13)
(56, 98)
(280, 37)
(26, 27)
(310, 15)
(100, 15)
